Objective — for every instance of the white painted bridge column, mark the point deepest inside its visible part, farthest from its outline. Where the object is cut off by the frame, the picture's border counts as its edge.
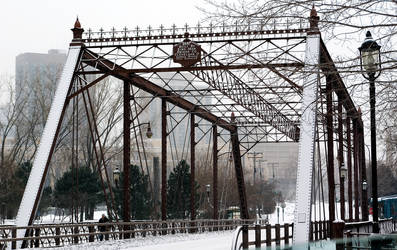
(34, 187)
(308, 126)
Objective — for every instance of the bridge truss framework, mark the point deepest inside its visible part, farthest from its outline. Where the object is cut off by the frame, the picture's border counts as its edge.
(252, 76)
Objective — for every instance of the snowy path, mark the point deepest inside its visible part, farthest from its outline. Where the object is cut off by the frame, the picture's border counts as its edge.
(214, 240)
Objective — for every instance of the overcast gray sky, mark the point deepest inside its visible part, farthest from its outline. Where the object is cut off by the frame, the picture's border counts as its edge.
(40, 25)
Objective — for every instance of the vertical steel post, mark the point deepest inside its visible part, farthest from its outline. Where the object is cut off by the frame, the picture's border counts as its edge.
(330, 147)
(349, 169)
(215, 171)
(373, 154)
(192, 167)
(163, 159)
(355, 157)
(156, 184)
(126, 153)
(364, 194)
(341, 160)
(239, 171)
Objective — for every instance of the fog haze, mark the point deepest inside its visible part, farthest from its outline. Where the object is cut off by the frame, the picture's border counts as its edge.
(40, 25)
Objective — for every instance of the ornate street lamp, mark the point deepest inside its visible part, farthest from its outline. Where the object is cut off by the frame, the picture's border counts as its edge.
(365, 185)
(149, 132)
(116, 176)
(208, 189)
(370, 61)
(343, 174)
(370, 64)
(343, 171)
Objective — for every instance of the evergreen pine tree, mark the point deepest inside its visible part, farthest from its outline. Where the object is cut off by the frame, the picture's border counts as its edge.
(140, 201)
(86, 195)
(13, 187)
(178, 192)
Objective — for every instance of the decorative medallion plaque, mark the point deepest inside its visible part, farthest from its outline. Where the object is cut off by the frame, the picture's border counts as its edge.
(187, 52)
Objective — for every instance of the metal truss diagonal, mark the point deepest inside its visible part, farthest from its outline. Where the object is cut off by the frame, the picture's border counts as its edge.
(233, 87)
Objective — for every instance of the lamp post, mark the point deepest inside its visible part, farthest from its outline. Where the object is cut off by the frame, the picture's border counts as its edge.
(116, 176)
(3, 211)
(283, 205)
(149, 132)
(365, 185)
(208, 190)
(343, 171)
(278, 213)
(370, 63)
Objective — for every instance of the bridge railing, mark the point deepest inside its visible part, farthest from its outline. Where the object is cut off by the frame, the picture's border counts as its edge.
(53, 235)
(358, 235)
(280, 234)
(386, 226)
(319, 230)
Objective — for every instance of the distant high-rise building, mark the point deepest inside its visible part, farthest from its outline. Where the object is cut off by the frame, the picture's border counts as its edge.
(36, 75)
(391, 149)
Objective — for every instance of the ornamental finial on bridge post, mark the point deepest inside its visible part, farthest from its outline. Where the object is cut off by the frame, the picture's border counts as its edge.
(313, 19)
(77, 30)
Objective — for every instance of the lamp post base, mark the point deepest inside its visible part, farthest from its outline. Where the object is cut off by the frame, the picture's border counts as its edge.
(375, 227)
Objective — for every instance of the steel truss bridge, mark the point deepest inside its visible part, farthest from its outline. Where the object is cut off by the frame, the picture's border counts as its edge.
(251, 84)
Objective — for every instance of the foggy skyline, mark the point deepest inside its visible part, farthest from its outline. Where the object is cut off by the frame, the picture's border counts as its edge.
(40, 25)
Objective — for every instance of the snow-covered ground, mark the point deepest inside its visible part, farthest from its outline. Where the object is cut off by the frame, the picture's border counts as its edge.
(213, 240)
